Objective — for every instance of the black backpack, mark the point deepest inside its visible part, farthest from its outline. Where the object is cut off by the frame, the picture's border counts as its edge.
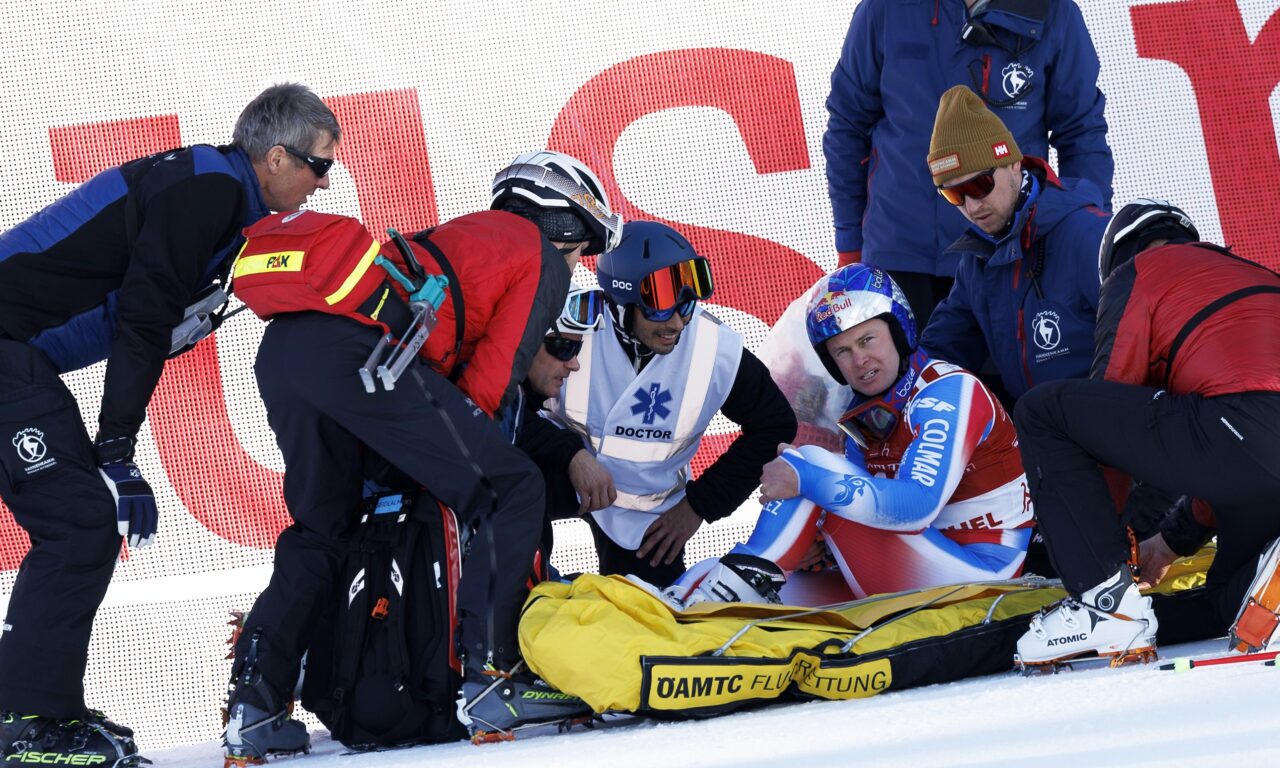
(382, 665)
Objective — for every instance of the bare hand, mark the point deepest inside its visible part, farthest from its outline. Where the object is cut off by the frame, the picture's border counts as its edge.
(778, 481)
(1154, 557)
(817, 554)
(593, 483)
(666, 537)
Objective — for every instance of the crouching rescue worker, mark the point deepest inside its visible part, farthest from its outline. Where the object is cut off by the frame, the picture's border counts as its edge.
(651, 379)
(332, 292)
(1178, 400)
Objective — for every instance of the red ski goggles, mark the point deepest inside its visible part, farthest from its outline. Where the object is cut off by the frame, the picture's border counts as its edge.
(977, 188)
(664, 289)
(870, 422)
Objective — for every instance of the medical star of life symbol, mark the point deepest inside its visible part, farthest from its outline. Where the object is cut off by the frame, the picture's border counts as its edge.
(652, 403)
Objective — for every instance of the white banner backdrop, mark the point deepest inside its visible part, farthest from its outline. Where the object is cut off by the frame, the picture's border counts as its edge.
(706, 114)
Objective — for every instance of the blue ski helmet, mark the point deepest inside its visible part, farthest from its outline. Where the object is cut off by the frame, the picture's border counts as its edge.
(853, 295)
(654, 266)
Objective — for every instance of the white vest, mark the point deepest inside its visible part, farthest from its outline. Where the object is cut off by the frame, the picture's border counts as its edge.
(645, 428)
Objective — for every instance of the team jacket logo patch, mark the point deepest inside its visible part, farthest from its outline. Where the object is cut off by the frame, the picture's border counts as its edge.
(1015, 78)
(1046, 333)
(30, 446)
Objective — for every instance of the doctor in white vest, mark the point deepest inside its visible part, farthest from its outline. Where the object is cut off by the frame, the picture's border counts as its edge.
(650, 381)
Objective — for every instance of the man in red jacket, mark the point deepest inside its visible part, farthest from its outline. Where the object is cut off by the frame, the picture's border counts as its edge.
(1184, 395)
(508, 274)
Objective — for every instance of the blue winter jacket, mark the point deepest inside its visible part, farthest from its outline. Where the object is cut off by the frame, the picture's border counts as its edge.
(1029, 299)
(899, 57)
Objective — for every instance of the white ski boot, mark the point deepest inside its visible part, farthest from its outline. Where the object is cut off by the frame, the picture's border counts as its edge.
(1111, 622)
(734, 578)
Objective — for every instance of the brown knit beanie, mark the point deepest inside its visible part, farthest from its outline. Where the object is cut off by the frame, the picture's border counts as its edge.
(968, 137)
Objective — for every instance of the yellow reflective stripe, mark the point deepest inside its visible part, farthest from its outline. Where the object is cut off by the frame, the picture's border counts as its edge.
(349, 284)
(258, 263)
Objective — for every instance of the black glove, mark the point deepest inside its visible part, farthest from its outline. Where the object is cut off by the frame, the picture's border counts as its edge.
(136, 514)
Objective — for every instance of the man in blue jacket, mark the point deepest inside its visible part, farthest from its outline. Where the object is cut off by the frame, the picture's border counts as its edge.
(1032, 61)
(1026, 289)
(108, 273)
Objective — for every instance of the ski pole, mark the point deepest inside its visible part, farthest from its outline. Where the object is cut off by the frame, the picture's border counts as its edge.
(1183, 664)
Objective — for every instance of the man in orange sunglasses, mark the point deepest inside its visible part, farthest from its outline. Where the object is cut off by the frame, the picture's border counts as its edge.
(1026, 288)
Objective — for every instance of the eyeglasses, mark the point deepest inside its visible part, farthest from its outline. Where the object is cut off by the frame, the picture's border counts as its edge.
(664, 288)
(872, 421)
(582, 311)
(684, 308)
(562, 348)
(977, 188)
(318, 165)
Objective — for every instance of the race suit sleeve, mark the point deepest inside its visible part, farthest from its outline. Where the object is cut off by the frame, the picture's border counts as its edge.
(535, 293)
(1123, 331)
(757, 405)
(953, 333)
(951, 417)
(1074, 105)
(854, 107)
(184, 225)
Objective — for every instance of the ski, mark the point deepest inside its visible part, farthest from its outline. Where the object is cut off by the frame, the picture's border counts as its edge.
(1184, 664)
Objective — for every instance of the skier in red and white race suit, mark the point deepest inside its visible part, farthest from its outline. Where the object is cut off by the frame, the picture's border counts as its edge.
(930, 489)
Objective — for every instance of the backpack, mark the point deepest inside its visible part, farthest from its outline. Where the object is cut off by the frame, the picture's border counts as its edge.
(382, 666)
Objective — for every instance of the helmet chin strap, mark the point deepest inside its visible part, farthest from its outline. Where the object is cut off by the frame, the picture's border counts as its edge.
(624, 330)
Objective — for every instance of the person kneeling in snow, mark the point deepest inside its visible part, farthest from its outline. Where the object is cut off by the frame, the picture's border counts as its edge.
(930, 490)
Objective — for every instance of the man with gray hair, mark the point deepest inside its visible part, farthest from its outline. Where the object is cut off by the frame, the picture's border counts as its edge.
(130, 268)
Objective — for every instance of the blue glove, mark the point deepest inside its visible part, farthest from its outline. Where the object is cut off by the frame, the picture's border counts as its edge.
(136, 514)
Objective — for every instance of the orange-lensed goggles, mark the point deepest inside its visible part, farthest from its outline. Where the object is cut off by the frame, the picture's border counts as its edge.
(870, 422)
(669, 286)
(978, 187)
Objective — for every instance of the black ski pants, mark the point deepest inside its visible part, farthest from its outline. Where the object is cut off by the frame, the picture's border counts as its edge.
(49, 480)
(1224, 450)
(323, 420)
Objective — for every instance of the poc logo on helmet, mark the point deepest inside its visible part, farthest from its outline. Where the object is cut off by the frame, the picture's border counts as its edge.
(623, 284)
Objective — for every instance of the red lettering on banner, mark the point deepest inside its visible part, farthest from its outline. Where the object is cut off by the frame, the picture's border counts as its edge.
(1233, 81)
(80, 151)
(384, 149)
(759, 92)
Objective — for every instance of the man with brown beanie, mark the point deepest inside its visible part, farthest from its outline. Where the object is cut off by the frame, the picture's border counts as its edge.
(1026, 288)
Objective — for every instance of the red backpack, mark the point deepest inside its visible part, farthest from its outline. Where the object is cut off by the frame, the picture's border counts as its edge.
(320, 262)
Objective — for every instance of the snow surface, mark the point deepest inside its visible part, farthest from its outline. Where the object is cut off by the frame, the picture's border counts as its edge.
(1133, 716)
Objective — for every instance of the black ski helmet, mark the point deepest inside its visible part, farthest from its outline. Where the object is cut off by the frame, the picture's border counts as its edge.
(1133, 228)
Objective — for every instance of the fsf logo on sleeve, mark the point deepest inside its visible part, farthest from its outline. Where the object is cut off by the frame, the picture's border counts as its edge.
(31, 448)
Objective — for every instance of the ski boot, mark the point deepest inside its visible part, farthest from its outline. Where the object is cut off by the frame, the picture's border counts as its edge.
(93, 740)
(733, 578)
(493, 704)
(258, 721)
(1111, 622)
(1255, 624)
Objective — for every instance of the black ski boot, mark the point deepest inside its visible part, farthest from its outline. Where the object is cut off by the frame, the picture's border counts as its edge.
(93, 741)
(258, 721)
(493, 704)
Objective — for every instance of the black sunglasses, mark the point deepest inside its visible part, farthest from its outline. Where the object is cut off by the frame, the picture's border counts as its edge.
(318, 165)
(562, 348)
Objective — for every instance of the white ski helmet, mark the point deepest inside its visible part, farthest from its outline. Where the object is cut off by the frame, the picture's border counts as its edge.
(562, 196)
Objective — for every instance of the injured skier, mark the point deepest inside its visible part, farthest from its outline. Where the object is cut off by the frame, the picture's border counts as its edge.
(930, 490)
